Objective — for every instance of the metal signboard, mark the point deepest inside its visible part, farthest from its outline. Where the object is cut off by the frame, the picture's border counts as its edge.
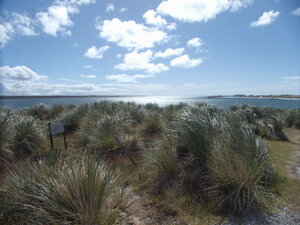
(56, 128)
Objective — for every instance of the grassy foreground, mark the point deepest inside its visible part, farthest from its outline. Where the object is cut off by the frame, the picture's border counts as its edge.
(197, 163)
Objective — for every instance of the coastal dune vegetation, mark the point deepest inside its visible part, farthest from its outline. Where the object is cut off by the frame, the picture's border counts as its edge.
(217, 157)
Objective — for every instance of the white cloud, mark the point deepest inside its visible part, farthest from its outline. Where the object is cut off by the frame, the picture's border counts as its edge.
(123, 9)
(169, 52)
(141, 61)
(87, 67)
(88, 76)
(57, 17)
(296, 12)
(185, 62)
(171, 26)
(292, 78)
(152, 18)
(125, 78)
(110, 8)
(235, 5)
(195, 42)
(19, 73)
(23, 25)
(130, 34)
(265, 19)
(16, 24)
(6, 33)
(199, 10)
(63, 79)
(96, 53)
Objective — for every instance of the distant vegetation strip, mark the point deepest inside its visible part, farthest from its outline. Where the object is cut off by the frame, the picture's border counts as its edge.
(285, 96)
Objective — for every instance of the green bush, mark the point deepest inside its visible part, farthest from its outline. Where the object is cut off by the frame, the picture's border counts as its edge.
(76, 190)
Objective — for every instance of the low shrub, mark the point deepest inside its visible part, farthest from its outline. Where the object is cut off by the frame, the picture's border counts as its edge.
(76, 190)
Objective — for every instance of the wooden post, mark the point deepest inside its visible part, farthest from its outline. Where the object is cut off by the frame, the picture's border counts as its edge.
(51, 138)
(124, 150)
(64, 134)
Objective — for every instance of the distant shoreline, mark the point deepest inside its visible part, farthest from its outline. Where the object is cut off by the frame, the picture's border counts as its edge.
(65, 96)
(273, 97)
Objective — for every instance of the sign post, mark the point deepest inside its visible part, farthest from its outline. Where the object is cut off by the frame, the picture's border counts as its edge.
(56, 128)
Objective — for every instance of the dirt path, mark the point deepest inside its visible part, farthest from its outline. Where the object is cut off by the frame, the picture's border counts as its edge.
(141, 212)
(294, 160)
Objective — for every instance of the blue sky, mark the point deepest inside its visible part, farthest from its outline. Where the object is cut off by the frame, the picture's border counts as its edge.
(153, 47)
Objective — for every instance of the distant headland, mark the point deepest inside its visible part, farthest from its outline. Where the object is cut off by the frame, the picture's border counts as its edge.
(284, 96)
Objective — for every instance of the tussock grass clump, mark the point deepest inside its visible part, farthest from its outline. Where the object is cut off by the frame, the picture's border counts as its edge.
(197, 126)
(216, 155)
(101, 131)
(76, 190)
(5, 137)
(152, 123)
(72, 118)
(161, 162)
(293, 119)
(27, 136)
(241, 173)
(39, 111)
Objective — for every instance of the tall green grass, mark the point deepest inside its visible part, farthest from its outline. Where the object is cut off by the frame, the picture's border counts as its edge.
(27, 137)
(216, 155)
(74, 190)
(5, 137)
(160, 162)
(99, 131)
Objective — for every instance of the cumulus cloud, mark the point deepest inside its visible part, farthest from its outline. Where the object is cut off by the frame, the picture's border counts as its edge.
(151, 17)
(6, 33)
(16, 24)
(130, 34)
(21, 73)
(292, 78)
(141, 61)
(56, 20)
(87, 67)
(126, 78)
(199, 10)
(169, 52)
(296, 12)
(185, 62)
(123, 9)
(195, 42)
(265, 19)
(110, 8)
(96, 53)
(92, 76)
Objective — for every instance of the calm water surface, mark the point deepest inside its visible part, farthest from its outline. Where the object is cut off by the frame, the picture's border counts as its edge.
(160, 100)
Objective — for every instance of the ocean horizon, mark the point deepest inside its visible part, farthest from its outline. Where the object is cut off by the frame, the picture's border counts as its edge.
(20, 102)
